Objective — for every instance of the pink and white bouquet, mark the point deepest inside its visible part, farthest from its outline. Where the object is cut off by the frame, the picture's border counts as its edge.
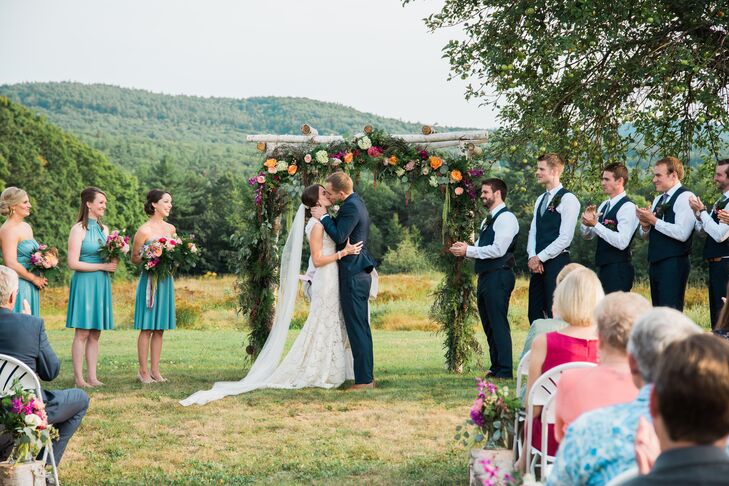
(115, 247)
(44, 259)
(24, 417)
(163, 257)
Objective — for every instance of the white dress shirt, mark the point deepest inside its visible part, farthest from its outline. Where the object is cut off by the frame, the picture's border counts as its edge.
(569, 209)
(627, 224)
(684, 222)
(718, 231)
(506, 228)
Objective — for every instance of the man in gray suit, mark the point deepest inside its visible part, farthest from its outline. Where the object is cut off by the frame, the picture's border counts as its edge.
(23, 337)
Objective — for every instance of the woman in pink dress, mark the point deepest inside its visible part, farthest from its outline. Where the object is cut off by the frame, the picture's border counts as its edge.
(575, 300)
(610, 382)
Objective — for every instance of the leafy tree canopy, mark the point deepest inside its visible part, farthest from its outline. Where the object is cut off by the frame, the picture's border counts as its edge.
(596, 80)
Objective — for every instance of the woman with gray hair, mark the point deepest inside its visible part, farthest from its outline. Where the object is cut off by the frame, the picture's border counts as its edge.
(583, 389)
(18, 244)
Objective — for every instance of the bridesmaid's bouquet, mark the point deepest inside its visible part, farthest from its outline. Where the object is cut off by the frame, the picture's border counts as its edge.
(44, 259)
(163, 257)
(116, 246)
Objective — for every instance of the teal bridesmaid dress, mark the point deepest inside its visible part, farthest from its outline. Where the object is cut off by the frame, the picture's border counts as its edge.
(161, 315)
(27, 290)
(89, 300)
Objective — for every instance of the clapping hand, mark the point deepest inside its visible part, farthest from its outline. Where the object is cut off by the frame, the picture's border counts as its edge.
(696, 205)
(459, 248)
(589, 217)
(723, 215)
(646, 217)
(317, 212)
(26, 307)
(647, 447)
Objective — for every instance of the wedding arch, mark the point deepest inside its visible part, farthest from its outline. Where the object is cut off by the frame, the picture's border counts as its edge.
(424, 161)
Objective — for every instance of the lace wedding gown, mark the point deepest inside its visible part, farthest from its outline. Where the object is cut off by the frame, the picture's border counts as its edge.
(321, 355)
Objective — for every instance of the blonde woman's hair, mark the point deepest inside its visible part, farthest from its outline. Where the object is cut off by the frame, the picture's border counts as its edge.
(11, 196)
(566, 270)
(577, 296)
(615, 316)
(8, 283)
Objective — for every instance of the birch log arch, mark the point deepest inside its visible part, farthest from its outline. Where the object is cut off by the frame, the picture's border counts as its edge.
(425, 162)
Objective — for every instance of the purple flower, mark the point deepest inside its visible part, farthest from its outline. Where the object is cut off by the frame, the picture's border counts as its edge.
(17, 405)
(476, 414)
(492, 388)
(475, 172)
(423, 154)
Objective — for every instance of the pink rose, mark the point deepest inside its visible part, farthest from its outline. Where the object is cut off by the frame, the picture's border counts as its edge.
(261, 179)
(458, 191)
(374, 152)
(307, 158)
(410, 165)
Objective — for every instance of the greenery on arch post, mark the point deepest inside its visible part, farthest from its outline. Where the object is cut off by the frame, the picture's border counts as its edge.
(289, 167)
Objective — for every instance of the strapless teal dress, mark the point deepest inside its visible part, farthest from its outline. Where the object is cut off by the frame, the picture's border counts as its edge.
(27, 290)
(161, 315)
(89, 300)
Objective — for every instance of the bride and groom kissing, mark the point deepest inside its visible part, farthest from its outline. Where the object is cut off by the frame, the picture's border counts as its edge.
(335, 343)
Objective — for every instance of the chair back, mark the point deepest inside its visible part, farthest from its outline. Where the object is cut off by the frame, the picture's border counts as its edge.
(12, 369)
(539, 395)
(522, 372)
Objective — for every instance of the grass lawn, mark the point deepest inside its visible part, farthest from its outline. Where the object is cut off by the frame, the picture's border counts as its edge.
(399, 433)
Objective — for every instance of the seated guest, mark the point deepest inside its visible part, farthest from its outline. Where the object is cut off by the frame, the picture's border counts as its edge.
(599, 444)
(610, 382)
(575, 300)
(24, 337)
(688, 405)
(543, 326)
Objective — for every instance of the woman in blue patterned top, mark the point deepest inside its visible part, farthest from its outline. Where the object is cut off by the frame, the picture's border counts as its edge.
(89, 301)
(18, 244)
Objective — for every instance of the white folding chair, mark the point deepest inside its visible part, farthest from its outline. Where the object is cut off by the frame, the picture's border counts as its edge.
(548, 417)
(522, 372)
(541, 391)
(12, 369)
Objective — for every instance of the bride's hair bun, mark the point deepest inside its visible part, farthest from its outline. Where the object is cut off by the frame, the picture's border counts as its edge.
(10, 197)
(310, 197)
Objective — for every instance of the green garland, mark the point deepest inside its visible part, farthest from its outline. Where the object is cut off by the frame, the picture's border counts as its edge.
(290, 167)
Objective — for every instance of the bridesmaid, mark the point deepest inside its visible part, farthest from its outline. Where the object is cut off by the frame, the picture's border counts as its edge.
(16, 238)
(153, 321)
(89, 300)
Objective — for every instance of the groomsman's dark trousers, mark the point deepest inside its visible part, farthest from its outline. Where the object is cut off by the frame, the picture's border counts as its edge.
(493, 293)
(542, 285)
(616, 277)
(718, 278)
(668, 280)
(354, 292)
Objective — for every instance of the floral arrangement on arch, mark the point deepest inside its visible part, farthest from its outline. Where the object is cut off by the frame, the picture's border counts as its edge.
(491, 420)
(23, 416)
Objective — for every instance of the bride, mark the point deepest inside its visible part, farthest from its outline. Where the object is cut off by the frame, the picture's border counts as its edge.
(320, 356)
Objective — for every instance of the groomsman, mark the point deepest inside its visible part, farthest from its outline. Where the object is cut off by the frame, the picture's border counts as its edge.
(494, 263)
(716, 248)
(550, 235)
(668, 225)
(614, 224)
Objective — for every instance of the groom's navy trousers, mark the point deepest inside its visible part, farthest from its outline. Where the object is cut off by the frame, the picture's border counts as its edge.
(353, 223)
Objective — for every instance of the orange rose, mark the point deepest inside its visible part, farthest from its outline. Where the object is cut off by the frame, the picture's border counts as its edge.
(392, 160)
(270, 163)
(348, 158)
(456, 175)
(292, 169)
(435, 162)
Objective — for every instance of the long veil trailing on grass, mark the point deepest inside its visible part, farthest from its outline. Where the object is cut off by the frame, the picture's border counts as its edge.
(270, 355)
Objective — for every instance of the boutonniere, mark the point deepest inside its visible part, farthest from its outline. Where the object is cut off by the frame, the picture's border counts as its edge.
(554, 203)
(489, 219)
(720, 204)
(610, 224)
(660, 210)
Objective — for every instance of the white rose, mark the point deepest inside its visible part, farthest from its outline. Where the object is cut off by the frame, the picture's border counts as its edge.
(364, 143)
(33, 420)
(400, 172)
(433, 181)
(322, 156)
(282, 166)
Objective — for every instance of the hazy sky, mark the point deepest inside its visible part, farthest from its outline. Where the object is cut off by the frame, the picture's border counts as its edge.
(374, 55)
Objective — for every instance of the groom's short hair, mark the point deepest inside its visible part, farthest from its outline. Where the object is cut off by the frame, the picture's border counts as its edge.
(496, 185)
(340, 181)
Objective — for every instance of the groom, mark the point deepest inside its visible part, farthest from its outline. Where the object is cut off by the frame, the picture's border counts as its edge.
(352, 223)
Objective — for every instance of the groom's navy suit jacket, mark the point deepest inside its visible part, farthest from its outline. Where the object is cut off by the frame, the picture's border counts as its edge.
(353, 222)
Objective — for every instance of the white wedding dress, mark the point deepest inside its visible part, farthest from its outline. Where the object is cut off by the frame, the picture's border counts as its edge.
(321, 355)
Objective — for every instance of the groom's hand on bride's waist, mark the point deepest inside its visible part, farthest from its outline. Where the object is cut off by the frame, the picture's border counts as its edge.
(318, 211)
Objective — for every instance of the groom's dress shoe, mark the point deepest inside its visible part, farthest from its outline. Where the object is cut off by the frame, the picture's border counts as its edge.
(362, 386)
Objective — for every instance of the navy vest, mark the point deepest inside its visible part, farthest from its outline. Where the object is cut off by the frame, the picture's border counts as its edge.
(607, 253)
(660, 246)
(486, 238)
(712, 249)
(548, 224)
